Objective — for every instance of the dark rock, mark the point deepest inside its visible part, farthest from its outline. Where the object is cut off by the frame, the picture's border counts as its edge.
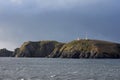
(5, 53)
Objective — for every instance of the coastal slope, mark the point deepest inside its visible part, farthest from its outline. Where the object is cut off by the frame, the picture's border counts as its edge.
(37, 49)
(74, 49)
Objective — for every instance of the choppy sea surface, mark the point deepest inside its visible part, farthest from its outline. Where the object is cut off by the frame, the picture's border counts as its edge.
(59, 69)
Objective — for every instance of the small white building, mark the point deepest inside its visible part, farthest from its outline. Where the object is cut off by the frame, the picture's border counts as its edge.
(78, 38)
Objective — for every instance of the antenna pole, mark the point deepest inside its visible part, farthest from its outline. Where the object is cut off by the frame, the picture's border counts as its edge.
(86, 36)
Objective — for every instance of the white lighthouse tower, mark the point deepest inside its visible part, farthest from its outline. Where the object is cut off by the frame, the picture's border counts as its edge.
(86, 36)
(78, 39)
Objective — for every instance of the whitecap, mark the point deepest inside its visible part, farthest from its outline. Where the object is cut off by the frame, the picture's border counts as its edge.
(21, 79)
(91, 79)
(75, 72)
(52, 76)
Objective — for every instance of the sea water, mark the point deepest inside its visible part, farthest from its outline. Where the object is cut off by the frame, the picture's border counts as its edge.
(59, 69)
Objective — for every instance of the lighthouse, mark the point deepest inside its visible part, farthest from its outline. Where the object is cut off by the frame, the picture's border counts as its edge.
(86, 36)
(78, 38)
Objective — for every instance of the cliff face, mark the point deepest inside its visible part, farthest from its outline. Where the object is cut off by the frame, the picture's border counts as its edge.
(90, 49)
(5, 53)
(37, 49)
(74, 49)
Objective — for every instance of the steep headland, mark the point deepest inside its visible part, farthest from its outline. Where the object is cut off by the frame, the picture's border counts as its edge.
(5, 53)
(37, 49)
(74, 49)
(90, 49)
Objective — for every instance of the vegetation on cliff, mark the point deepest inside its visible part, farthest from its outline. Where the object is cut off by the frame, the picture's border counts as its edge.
(37, 49)
(74, 49)
(90, 49)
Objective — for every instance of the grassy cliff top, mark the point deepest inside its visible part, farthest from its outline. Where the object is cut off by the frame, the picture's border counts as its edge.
(39, 43)
(88, 45)
(79, 45)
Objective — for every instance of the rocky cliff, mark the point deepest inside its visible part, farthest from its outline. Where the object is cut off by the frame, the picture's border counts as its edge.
(90, 49)
(37, 49)
(73, 49)
(5, 53)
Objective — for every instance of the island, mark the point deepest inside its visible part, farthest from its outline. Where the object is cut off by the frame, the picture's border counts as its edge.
(77, 49)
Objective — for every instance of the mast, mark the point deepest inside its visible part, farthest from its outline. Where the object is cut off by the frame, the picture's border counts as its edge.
(86, 36)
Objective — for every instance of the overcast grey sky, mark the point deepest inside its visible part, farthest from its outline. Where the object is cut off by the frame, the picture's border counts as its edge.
(61, 20)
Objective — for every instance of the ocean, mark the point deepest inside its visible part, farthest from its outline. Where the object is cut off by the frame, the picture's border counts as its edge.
(59, 69)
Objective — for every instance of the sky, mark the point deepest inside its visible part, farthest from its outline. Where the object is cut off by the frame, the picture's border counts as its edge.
(60, 20)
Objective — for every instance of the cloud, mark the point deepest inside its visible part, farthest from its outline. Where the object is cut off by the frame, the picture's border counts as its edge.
(17, 1)
(61, 20)
(8, 45)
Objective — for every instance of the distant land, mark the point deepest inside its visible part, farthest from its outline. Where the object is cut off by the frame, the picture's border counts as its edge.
(75, 49)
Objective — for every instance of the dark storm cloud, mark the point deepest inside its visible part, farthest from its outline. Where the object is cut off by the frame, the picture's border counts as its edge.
(62, 20)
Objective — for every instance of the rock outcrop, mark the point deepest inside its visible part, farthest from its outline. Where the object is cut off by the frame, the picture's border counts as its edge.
(5, 53)
(74, 49)
(37, 49)
(90, 49)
